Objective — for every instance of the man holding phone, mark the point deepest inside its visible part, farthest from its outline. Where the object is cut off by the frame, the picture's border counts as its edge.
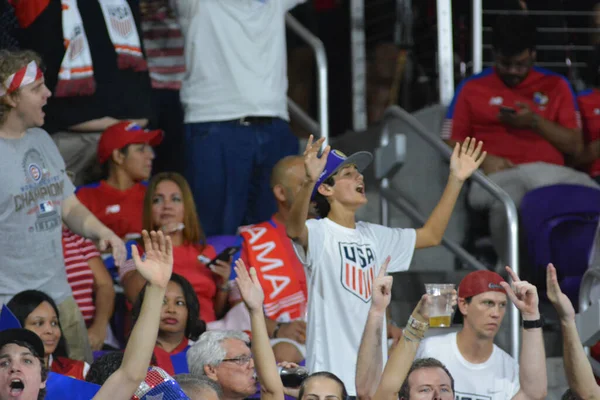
(527, 117)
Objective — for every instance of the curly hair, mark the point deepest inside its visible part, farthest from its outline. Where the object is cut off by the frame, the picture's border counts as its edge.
(11, 62)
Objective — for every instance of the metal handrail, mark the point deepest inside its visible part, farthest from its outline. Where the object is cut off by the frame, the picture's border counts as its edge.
(323, 95)
(492, 188)
(478, 29)
(585, 290)
(393, 198)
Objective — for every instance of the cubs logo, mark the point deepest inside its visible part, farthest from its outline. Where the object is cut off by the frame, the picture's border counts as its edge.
(358, 269)
(35, 172)
(34, 167)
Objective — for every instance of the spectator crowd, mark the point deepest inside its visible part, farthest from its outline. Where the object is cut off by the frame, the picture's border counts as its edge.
(162, 234)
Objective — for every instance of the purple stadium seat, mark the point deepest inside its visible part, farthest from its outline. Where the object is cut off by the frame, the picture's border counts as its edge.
(559, 223)
(222, 242)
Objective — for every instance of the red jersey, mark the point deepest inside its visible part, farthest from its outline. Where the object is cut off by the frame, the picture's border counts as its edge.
(68, 367)
(77, 251)
(119, 210)
(202, 279)
(477, 101)
(166, 361)
(589, 104)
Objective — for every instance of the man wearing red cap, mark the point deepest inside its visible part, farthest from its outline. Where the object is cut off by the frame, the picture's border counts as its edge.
(126, 154)
(480, 368)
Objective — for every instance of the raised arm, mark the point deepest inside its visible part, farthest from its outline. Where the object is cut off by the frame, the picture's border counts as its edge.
(465, 160)
(295, 225)
(271, 386)
(156, 269)
(532, 364)
(81, 221)
(577, 367)
(403, 355)
(370, 363)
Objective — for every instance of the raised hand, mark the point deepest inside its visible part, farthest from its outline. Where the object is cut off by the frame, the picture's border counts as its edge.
(157, 266)
(559, 300)
(466, 158)
(382, 288)
(117, 246)
(421, 311)
(249, 286)
(313, 164)
(523, 294)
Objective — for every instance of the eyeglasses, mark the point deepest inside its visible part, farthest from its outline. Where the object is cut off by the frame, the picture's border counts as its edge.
(242, 360)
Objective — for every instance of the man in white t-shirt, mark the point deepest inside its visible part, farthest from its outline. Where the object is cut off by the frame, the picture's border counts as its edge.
(342, 257)
(481, 369)
(235, 105)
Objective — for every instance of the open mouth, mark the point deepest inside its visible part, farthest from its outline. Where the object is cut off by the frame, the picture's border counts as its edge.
(16, 386)
(360, 189)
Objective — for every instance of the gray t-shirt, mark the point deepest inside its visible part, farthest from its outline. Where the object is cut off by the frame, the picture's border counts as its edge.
(33, 185)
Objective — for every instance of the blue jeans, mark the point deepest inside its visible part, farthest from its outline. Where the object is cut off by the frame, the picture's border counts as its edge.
(228, 167)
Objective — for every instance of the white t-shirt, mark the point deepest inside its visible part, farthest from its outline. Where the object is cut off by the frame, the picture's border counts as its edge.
(235, 54)
(495, 379)
(341, 264)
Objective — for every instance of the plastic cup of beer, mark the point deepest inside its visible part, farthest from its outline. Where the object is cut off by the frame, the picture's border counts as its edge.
(440, 311)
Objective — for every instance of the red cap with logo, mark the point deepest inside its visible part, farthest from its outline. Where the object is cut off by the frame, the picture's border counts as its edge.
(123, 133)
(478, 282)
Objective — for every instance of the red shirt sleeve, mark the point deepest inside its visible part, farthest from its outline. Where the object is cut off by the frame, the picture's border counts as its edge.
(568, 110)
(88, 249)
(458, 125)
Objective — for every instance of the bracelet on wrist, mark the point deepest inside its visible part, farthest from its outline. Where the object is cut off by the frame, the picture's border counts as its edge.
(224, 287)
(411, 335)
(417, 325)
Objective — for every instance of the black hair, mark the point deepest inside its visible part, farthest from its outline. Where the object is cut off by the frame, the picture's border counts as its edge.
(421, 363)
(322, 205)
(570, 395)
(513, 34)
(43, 369)
(105, 167)
(323, 374)
(104, 367)
(194, 326)
(23, 304)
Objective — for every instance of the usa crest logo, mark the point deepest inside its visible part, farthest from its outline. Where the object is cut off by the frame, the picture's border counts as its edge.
(358, 269)
(121, 20)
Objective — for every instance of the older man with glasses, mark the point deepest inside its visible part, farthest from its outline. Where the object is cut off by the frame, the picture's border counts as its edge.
(225, 357)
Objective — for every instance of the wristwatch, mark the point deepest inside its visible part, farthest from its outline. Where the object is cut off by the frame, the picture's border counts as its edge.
(538, 323)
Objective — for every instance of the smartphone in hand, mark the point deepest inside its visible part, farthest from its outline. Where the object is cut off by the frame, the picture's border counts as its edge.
(508, 110)
(225, 255)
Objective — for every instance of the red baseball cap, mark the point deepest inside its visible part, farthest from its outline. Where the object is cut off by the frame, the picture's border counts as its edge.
(478, 282)
(123, 133)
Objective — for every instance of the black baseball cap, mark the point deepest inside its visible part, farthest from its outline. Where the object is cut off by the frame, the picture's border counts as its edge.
(23, 335)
